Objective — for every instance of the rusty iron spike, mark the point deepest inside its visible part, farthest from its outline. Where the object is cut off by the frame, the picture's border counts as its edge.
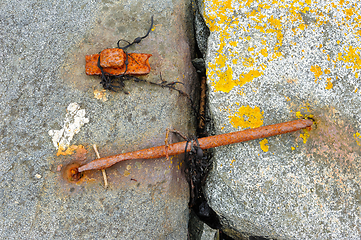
(205, 143)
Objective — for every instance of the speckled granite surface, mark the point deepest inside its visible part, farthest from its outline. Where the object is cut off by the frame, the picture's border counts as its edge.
(275, 61)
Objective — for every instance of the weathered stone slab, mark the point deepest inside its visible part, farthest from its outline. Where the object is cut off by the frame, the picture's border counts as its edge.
(44, 89)
(274, 61)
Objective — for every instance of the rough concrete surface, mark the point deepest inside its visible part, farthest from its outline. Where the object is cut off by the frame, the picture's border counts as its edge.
(275, 61)
(52, 113)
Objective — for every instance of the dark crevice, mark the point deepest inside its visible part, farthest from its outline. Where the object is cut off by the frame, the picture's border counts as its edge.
(197, 168)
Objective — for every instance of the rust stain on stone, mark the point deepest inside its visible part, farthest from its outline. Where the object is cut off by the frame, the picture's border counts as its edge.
(333, 140)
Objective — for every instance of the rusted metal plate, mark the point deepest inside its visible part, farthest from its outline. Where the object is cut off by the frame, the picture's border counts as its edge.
(112, 62)
(112, 57)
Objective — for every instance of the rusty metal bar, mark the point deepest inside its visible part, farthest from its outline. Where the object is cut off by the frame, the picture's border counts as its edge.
(205, 143)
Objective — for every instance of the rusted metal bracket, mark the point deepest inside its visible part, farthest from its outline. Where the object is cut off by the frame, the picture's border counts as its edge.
(115, 62)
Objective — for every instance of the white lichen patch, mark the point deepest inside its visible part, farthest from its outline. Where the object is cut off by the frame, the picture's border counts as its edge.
(74, 120)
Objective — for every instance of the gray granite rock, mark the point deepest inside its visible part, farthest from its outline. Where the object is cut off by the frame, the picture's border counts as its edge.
(270, 62)
(44, 90)
(201, 29)
(208, 233)
(198, 230)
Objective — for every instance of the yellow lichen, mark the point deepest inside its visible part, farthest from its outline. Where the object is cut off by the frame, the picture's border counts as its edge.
(305, 135)
(248, 62)
(351, 56)
(329, 84)
(220, 61)
(269, 30)
(264, 52)
(305, 116)
(299, 114)
(248, 77)
(274, 22)
(264, 145)
(316, 71)
(233, 43)
(357, 137)
(225, 82)
(247, 117)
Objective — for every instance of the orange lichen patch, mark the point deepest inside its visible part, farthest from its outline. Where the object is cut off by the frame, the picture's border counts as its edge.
(138, 63)
(112, 57)
(79, 149)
